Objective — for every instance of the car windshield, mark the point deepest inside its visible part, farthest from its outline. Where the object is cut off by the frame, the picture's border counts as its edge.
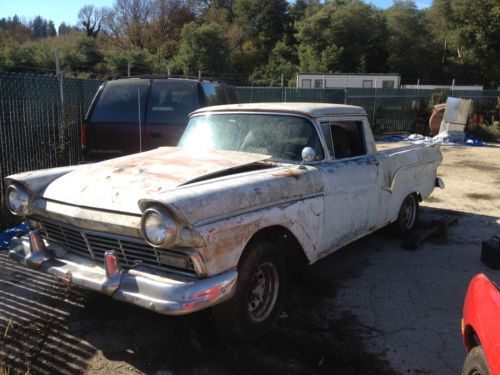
(281, 136)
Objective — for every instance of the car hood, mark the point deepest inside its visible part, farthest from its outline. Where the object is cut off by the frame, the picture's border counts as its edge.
(118, 184)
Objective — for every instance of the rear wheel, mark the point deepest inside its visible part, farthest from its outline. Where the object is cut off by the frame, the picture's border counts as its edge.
(407, 216)
(475, 362)
(259, 297)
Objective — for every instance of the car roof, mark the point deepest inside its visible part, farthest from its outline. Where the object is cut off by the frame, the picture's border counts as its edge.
(307, 109)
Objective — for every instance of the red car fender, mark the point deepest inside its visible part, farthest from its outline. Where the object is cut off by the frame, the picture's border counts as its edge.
(481, 320)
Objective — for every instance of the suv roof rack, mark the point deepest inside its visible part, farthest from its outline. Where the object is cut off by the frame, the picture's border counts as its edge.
(152, 76)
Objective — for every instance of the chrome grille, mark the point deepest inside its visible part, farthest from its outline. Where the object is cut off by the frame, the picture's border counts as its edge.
(92, 245)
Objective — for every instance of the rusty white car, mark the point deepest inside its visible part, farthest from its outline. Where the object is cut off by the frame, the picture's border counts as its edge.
(219, 221)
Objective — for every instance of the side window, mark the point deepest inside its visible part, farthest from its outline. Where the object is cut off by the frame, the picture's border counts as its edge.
(318, 83)
(346, 138)
(387, 84)
(171, 101)
(121, 101)
(213, 94)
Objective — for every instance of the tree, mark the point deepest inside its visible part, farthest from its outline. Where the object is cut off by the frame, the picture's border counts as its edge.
(342, 36)
(412, 51)
(16, 29)
(64, 29)
(39, 28)
(16, 57)
(140, 61)
(168, 17)
(81, 54)
(263, 21)
(282, 61)
(469, 32)
(202, 48)
(91, 18)
(51, 29)
(130, 18)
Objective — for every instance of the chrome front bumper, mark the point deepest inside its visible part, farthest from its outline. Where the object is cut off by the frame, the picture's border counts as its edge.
(169, 295)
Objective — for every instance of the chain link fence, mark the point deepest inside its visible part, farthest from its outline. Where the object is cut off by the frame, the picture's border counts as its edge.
(389, 110)
(37, 131)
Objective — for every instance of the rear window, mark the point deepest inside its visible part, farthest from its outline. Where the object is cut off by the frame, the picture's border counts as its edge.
(214, 94)
(121, 101)
(171, 102)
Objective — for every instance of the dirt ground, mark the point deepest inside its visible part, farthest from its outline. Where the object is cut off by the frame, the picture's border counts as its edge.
(370, 308)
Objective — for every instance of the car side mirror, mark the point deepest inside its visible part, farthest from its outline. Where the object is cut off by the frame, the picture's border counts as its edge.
(308, 155)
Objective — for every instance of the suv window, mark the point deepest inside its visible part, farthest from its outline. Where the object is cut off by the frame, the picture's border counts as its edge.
(171, 102)
(213, 94)
(119, 102)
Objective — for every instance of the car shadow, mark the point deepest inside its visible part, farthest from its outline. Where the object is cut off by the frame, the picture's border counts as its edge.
(52, 329)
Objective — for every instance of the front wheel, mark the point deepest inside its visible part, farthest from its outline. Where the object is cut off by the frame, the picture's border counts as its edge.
(475, 362)
(259, 297)
(407, 216)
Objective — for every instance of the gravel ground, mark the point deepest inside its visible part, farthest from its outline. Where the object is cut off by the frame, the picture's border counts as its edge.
(370, 308)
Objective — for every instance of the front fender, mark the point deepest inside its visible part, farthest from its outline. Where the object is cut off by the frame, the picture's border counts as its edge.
(482, 315)
(37, 181)
(226, 239)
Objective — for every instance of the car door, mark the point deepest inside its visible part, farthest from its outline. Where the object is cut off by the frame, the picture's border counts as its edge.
(351, 184)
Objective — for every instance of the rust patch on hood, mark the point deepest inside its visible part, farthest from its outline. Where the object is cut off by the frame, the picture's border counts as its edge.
(293, 173)
(138, 176)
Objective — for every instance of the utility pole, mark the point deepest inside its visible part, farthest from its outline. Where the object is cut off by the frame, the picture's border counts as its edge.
(60, 79)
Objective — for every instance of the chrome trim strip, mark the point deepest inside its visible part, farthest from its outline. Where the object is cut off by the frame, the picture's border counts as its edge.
(215, 219)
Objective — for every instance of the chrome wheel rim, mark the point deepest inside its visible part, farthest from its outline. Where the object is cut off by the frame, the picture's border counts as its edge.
(409, 211)
(263, 292)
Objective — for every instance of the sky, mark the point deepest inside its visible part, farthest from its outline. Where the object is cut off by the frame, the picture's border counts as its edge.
(67, 10)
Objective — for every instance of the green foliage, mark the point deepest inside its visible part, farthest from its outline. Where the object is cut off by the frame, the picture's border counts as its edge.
(412, 51)
(262, 20)
(342, 36)
(281, 61)
(202, 48)
(140, 60)
(81, 55)
(470, 31)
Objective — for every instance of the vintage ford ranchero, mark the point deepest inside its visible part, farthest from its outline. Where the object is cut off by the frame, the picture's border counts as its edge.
(250, 191)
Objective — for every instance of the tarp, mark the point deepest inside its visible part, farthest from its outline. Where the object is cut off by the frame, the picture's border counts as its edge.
(445, 138)
(7, 235)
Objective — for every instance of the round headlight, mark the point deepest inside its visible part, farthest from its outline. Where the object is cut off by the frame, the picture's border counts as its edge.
(158, 227)
(17, 200)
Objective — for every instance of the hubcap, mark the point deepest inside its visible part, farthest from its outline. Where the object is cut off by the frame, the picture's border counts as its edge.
(409, 211)
(264, 292)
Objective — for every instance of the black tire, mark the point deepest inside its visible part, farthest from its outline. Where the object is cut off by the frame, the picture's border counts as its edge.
(475, 362)
(407, 217)
(261, 273)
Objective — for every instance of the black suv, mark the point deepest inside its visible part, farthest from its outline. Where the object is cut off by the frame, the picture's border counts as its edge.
(137, 114)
